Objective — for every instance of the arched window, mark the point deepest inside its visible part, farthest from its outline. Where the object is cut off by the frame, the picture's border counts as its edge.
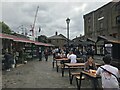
(118, 19)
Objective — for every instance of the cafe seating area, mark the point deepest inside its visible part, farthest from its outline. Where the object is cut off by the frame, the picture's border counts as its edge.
(74, 70)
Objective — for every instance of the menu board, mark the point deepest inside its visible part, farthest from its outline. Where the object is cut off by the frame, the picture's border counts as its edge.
(28, 51)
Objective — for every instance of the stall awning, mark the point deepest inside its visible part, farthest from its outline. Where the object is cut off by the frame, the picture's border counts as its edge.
(108, 39)
(5, 36)
(25, 40)
(15, 38)
(115, 41)
(39, 43)
(94, 39)
(48, 45)
(43, 44)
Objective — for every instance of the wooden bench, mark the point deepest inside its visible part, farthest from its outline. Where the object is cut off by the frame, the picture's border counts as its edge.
(65, 67)
(78, 79)
(76, 75)
(61, 66)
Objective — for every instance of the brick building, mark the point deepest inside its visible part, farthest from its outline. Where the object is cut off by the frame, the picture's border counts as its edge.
(57, 40)
(103, 21)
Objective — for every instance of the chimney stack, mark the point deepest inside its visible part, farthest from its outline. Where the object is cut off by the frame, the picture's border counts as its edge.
(56, 33)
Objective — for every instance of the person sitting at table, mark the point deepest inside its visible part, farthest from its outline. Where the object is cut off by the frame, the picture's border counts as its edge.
(72, 57)
(58, 55)
(90, 64)
(68, 54)
(63, 55)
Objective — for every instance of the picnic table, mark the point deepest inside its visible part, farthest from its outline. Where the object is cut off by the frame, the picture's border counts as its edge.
(91, 75)
(59, 60)
(74, 66)
(62, 61)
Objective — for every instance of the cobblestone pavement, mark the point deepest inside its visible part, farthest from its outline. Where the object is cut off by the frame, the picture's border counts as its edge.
(38, 74)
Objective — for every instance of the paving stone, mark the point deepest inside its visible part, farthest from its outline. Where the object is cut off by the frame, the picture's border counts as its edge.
(37, 74)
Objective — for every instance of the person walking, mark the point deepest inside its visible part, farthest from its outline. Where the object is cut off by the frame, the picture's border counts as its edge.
(46, 53)
(40, 54)
(109, 81)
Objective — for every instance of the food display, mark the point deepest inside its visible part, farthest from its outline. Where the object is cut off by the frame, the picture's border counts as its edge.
(92, 71)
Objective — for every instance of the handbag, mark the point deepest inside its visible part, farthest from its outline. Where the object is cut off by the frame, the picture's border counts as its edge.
(118, 79)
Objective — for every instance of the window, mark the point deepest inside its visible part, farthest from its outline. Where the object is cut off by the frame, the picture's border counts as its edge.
(57, 40)
(100, 13)
(118, 19)
(101, 25)
(89, 20)
(49, 41)
(89, 28)
(53, 41)
(118, 7)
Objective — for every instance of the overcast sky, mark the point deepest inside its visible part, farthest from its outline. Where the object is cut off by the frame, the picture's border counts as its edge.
(51, 16)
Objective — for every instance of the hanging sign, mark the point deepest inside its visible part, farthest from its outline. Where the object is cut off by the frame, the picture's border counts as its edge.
(108, 45)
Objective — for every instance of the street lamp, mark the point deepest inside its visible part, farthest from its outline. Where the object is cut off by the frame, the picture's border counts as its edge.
(68, 21)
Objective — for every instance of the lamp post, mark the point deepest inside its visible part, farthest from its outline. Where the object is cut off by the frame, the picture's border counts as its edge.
(68, 21)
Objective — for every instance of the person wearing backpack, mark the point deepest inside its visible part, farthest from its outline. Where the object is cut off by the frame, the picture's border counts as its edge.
(109, 74)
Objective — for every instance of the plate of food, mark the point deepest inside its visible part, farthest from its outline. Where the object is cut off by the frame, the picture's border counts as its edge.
(92, 71)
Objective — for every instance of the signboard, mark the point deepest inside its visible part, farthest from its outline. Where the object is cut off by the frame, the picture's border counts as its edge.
(108, 45)
(108, 49)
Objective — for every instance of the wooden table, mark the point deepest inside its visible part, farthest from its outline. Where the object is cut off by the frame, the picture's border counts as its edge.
(93, 76)
(60, 60)
(74, 66)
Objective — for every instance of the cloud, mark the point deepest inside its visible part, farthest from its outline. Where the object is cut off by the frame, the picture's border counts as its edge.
(51, 16)
(56, 0)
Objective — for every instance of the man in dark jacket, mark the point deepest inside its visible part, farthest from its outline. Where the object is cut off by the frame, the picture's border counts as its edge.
(8, 60)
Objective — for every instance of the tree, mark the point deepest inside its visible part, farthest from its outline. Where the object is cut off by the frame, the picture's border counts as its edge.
(5, 28)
